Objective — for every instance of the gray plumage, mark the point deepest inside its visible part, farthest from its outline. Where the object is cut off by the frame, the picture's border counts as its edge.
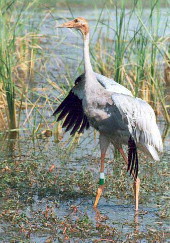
(118, 115)
(111, 85)
(110, 108)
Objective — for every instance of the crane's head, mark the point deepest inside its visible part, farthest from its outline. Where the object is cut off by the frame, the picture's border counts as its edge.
(78, 23)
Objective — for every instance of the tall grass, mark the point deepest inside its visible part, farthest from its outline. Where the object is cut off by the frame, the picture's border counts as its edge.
(133, 57)
(137, 55)
(6, 62)
(18, 49)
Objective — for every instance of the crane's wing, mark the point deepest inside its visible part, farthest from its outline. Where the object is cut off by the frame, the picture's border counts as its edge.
(71, 110)
(111, 85)
(144, 133)
(141, 122)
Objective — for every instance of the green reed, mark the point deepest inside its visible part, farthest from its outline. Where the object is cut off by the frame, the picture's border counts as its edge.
(136, 55)
(7, 40)
(18, 50)
(132, 57)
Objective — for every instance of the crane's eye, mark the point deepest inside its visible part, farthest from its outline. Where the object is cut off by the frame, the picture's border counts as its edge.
(76, 21)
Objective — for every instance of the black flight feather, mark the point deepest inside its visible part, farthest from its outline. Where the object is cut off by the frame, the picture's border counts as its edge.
(67, 120)
(63, 113)
(87, 124)
(132, 157)
(62, 105)
(71, 123)
(72, 110)
(77, 124)
(84, 124)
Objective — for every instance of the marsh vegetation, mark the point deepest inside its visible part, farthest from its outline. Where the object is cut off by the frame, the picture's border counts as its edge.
(47, 179)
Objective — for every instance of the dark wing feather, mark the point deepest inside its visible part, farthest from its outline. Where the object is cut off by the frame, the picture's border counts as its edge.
(85, 124)
(61, 106)
(63, 113)
(72, 110)
(132, 157)
(77, 124)
(71, 123)
(67, 120)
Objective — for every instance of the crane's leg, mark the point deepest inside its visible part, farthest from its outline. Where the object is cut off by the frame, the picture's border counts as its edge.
(136, 191)
(104, 143)
(101, 180)
(136, 181)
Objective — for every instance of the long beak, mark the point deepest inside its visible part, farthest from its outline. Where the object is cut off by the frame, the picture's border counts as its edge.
(69, 24)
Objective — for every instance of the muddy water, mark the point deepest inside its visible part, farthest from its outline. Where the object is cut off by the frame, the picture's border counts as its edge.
(116, 211)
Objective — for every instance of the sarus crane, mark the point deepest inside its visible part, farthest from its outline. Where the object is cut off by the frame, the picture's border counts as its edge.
(111, 109)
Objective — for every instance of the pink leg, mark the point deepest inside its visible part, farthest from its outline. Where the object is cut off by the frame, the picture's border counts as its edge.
(136, 181)
(104, 143)
(101, 187)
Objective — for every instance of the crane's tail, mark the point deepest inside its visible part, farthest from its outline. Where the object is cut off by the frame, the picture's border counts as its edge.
(151, 151)
(132, 157)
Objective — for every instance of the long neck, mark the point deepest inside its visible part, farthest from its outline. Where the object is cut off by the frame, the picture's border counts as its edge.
(91, 87)
(87, 64)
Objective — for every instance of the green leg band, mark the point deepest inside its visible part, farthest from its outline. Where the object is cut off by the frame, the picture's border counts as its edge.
(101, 181)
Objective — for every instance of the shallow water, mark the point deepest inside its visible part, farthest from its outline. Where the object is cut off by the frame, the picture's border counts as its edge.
(63, 47)
(116, 209)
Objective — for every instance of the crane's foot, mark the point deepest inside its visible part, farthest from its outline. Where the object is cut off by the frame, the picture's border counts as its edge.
(136, 192)
(99, 193)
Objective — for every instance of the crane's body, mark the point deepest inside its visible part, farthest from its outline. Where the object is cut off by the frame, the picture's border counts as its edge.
(111, 109)
(118, 115)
